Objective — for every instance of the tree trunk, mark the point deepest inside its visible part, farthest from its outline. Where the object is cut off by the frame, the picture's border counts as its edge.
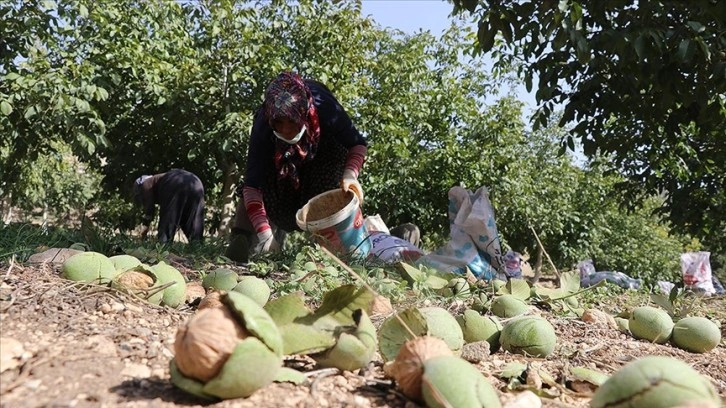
(45, 214)
(7, 204)
(229, 202)
(538, 264)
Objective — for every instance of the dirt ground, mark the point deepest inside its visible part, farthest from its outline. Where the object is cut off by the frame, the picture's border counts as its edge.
(70, 345)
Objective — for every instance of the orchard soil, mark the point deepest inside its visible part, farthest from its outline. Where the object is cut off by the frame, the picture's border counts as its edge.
(70, 345)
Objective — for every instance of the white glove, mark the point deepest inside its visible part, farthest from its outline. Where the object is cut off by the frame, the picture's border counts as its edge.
(350, 183)
(266, 242)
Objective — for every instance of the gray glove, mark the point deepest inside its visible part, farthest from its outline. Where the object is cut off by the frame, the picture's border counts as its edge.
(266, 242)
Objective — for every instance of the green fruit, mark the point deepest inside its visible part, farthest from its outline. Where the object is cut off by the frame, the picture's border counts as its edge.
(90, 267)
(497, 284)
(696, 334)
(255, 359)
(480, 328)
(255, 288)
(250, 367)
(256, 319)
(505, 306)
(220, 279)
(529, 335)
(450, 381)
(190, 385)
(650, 323)
(480, 303)
(456, 286)
(654, 381)
(124, 262)
(352, 350)
(432, 321)
(174, 295)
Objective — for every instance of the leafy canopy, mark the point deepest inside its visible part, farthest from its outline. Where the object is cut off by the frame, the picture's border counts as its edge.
(641, 82)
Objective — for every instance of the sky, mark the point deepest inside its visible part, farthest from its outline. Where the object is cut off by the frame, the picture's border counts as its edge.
(411, 16)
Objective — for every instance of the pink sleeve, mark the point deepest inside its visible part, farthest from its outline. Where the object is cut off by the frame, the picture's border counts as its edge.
(256, 209)
(356, 158)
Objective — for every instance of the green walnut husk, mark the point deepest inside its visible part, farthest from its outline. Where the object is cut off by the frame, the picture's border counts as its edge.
(650, 323)
(318, 333)
(92, 267)
(449, 381)
(623, 324)
(506, 306)
(497, 284)
(529, 335)
(456, 287)
(655, 381)
(125, 262)
(696, 334)
(254, 288)
(189, 385)
(174, 295)
(228, 352)
(480, 328)
(220, 279)
(480, 303)
(354, 347)
(426, 321)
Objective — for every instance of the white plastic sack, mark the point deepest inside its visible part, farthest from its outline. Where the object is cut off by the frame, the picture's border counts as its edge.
(375, 223)
(392, 249)
(696, 272)
(474, 240)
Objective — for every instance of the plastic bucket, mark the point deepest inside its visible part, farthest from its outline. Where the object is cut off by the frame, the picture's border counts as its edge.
(335, 219)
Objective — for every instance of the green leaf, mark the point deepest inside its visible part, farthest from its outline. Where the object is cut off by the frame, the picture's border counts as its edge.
(6, 108)
(290, 375)
(436, 282)
(101, 94)
(591, 376)
(683, 48)
(518, 288)
(570, 282)
(12, 76)
(409, 272)
(696, 26)
(30, 112)
(470, 5)
(513, 370)
(338, 306)
(640, 46)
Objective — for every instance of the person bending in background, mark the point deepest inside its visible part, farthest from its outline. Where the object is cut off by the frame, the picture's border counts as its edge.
(180, 196)
(302, 144)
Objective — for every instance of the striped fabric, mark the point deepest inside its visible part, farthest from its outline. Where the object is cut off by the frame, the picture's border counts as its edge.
(256, 209)
(356, 158)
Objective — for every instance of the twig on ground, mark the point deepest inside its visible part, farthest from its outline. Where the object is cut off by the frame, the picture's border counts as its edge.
(325, 372)
(7, 307)
(10, 268)
(554, 268)
(25, 373)
(366, 285)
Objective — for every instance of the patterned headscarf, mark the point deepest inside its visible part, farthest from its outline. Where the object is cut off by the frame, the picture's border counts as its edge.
(287, 97)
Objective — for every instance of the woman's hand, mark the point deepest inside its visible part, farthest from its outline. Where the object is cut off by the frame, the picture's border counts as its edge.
(350, 183)
(267, 242)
